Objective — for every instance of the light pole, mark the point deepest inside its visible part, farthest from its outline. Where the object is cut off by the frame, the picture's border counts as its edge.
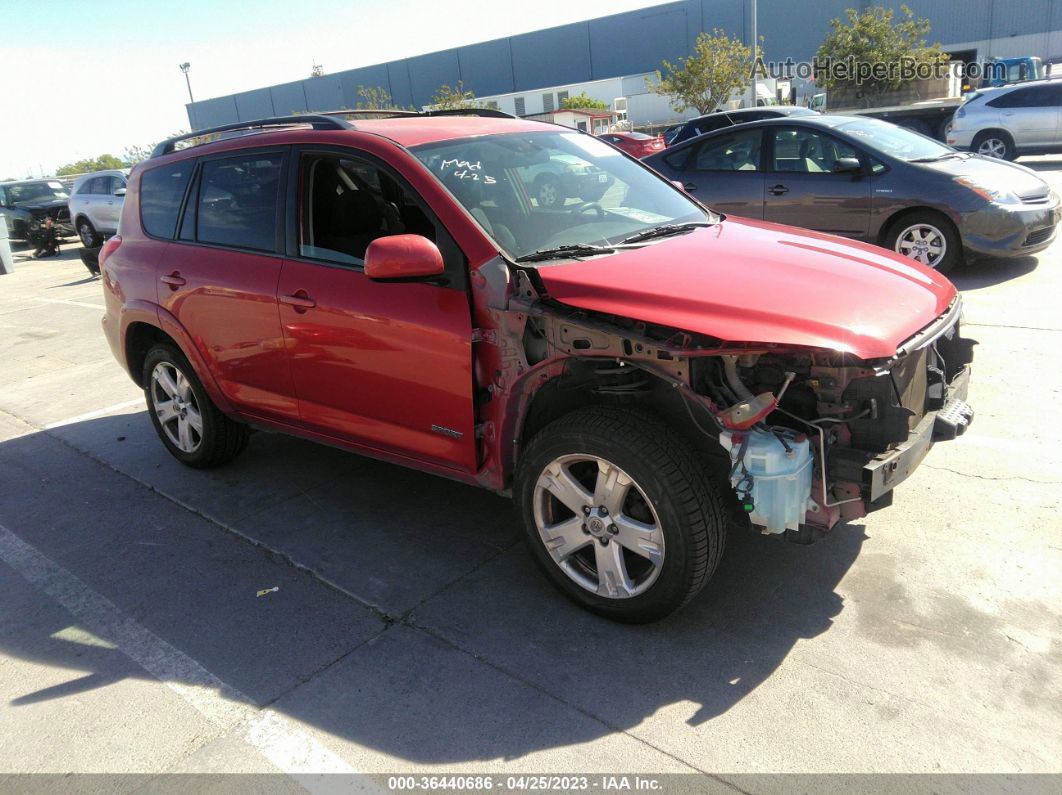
(752, 88)
(184, 68)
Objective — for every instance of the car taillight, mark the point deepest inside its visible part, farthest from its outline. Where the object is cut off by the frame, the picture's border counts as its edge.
(109, 248)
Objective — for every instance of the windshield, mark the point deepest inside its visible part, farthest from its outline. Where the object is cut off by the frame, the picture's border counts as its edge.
(36, 191)
(534, 191)
(894, 141)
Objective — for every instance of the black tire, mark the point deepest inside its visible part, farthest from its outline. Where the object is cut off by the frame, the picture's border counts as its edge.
(548, 191)
(221, 439)
(953, 255)
(681, 490)
(90, 238)
(1004, 144)
(90, 257)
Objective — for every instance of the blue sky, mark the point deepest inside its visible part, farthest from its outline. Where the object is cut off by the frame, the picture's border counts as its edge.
(84, 77)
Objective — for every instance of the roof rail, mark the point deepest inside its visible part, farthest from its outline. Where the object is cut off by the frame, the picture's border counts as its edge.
(317, 121)
(396, 112)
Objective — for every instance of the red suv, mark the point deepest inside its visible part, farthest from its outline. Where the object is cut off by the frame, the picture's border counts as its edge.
(638, 372)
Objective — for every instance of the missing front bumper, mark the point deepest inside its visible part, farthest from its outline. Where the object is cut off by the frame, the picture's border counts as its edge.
(888, 470)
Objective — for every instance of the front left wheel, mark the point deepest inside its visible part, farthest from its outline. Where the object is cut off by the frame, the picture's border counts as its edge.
(620, 513)
(191, 427)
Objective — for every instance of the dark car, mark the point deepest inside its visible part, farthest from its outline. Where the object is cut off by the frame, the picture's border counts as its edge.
(670, 133)
(28, 205)
(728, 118)
(870, 180)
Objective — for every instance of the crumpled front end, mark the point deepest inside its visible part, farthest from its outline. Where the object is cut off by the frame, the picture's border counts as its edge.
(816, 437)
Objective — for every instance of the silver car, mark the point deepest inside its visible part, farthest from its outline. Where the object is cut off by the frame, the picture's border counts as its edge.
(1010, 121)
(95, 204)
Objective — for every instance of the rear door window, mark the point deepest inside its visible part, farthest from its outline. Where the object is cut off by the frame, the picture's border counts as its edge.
(237, 204)
(161, 192)
(738, 151)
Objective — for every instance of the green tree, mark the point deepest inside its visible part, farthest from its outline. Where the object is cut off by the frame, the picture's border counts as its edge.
(583, 101)
(374, 98)
(455, 97)
(101, 163)
(719, 65)
(875, 40)
(134, 154)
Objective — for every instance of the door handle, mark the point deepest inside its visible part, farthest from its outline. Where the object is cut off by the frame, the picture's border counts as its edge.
(778, 190)
(174, 280)
(300, 301)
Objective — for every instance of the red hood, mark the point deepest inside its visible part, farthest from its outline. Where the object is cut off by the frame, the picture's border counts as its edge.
(750, 281)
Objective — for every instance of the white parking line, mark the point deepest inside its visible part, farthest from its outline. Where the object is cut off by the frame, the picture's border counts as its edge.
(91, 415)
(275, 737)
(72, 303)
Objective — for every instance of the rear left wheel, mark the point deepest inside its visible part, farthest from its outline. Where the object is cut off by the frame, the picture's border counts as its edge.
(619, 513)
(191, 427)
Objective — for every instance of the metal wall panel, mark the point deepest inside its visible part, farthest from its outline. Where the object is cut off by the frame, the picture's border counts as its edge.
(257, 104)
(428, 72)
(637, 41)
(292, 97)
(369, 76)
(487, 68)
(401, 90)
(551, 57)
(321, 93)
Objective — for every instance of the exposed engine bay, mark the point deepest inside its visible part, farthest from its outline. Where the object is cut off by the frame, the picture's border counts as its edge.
(810, 437)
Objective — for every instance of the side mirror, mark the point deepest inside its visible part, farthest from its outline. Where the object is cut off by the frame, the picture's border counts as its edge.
(847, 165)
(678, 183)
(403, 257)
(120, 192)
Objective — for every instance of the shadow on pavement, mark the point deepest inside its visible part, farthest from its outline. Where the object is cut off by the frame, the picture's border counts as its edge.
(455, 672)
(981, 272)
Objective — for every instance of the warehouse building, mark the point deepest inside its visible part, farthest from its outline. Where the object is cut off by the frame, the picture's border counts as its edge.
(610, 58)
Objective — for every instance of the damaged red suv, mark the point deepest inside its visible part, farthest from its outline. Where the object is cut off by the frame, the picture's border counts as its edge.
(638, 372)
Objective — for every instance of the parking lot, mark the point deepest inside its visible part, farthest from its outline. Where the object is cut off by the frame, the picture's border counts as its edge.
(404, 628)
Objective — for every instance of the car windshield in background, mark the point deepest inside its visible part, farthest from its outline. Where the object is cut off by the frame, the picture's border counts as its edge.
(894, 141)
(537, 191)
(36, 192)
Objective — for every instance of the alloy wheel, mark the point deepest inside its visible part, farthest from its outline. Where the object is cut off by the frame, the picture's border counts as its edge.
(176, 407)
(924, 243)
(85, 233)
(599, 526)
(993, 147)
(547, 194)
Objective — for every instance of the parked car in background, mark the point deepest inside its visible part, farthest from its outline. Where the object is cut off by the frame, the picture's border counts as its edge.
(615, 366)
(1010, 121)
(670, 133)
(869, 180)
(29, 205)
(728, 118)
(96, 203)
(636, 144)
(562, 176)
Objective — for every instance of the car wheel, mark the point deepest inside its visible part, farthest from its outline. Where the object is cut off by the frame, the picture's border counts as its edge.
(548, 192)
(620, 513)
(87, 232)
(994, 143)
(927, 238)
(191, 427)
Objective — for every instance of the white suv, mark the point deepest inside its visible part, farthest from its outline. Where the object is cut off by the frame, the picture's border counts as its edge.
(1009, 121)
(95, 204)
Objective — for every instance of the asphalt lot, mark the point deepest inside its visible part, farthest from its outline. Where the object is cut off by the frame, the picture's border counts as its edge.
(410, 631)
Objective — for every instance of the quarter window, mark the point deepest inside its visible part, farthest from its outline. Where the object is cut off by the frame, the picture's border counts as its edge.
(808, 152)
(738, 151)
(238, 202)
(161, 191)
